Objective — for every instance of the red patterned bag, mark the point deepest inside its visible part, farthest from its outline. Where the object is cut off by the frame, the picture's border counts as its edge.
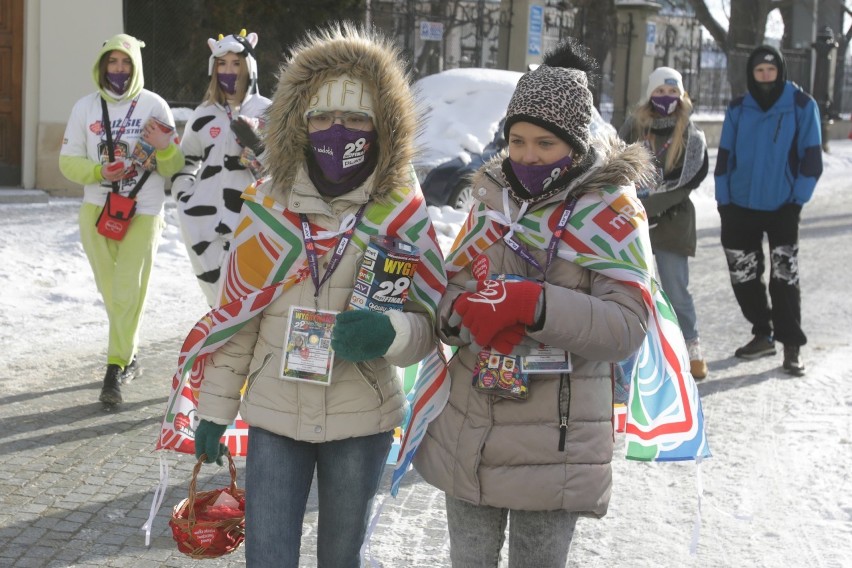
(209, 524)
(115, 217)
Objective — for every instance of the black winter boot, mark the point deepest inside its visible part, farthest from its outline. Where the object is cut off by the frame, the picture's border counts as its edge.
(111, 391)
(759, 346)
(793, 363)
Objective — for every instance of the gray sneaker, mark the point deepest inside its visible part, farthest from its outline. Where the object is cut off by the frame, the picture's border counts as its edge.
(132, 371)
(759, 346)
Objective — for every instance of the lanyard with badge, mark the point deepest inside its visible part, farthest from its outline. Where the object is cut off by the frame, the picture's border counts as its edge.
(307, 354)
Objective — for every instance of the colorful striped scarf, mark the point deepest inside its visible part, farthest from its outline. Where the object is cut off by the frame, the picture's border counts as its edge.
(608, 233)
(268, 258)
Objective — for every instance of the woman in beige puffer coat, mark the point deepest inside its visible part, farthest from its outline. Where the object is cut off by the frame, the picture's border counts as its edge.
(545, 459)
(339, 141)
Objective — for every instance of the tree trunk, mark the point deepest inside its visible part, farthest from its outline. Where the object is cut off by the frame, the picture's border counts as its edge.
(594, 25)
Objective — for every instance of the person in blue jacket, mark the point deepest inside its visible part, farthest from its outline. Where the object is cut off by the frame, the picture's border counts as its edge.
(769, 161)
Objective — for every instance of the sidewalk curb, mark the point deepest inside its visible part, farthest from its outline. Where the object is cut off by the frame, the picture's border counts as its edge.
(12, 195)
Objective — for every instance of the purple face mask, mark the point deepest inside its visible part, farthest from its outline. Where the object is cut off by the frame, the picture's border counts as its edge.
(118, 82)
(665, 105)
(536, 179)
(228, 82)
(339, 152)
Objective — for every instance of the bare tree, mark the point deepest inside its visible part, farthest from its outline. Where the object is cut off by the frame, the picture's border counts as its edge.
(840, 63)
(747, 26)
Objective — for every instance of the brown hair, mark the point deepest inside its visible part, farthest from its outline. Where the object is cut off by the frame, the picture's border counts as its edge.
(644, 115)
(215, 94)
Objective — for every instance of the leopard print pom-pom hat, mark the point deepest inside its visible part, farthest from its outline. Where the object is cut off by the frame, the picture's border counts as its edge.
(556, 96)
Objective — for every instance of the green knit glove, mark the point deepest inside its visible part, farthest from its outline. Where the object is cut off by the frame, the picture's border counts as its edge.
(361, 335)
(207, 437)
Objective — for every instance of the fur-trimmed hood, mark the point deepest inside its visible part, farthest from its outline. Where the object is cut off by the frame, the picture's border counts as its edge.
(323, 55)
(610, 162)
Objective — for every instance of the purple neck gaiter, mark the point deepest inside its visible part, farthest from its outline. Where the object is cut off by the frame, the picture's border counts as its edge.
(228, 82)
(665, 105)
(536, 179)
(118, 82)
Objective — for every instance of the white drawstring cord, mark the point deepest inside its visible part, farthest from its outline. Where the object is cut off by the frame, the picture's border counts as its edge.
(347, 223)
(157, 500)
(505, 218)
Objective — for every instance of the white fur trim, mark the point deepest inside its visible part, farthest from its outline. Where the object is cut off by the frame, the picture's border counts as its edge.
(399, 321)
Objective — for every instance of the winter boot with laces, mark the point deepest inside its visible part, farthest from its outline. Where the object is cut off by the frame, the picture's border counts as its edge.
(131, 371)
(759, 346)
(111, 391)
(697, 364)
(793, 363)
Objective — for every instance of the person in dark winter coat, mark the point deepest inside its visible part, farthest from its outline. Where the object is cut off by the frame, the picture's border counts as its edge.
(662, 122)
(208, 188)
(769, 161)
(339, 142)
(542, 460)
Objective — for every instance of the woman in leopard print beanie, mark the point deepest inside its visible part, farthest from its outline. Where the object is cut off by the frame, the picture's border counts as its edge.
(544, 458)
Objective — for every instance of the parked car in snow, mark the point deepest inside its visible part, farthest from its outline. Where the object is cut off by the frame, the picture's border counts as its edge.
(462, 117)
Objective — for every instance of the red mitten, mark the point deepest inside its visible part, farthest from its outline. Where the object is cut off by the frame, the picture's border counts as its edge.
(496, 305)
(508, 339)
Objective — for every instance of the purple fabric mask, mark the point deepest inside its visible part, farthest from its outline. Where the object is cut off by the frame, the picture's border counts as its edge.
(339, 152)
(536, 179)
(117, 82)
(228, 82)
(665, 105)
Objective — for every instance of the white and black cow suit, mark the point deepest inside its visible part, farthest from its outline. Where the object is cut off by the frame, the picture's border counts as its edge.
(208, 188)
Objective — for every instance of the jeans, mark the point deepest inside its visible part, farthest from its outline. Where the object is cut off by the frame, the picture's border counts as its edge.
(673, 270)
(537, 539)
(279, 473)
(742, 238)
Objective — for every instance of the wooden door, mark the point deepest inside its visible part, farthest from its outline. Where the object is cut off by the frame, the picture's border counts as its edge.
(11, 83)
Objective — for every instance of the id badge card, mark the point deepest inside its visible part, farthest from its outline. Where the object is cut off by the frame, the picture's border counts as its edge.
(546, 359)
(306, 354)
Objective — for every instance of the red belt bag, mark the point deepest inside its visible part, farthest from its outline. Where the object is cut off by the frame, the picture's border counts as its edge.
(116, 216)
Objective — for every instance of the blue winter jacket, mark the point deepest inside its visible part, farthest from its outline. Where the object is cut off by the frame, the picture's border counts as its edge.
(772, 158)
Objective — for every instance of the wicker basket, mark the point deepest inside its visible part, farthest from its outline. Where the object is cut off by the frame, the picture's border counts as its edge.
(199, 537)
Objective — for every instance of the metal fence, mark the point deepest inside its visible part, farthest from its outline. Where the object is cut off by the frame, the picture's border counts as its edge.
(176, 54)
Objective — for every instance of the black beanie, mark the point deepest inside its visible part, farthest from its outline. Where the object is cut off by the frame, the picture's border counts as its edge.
(556, 96)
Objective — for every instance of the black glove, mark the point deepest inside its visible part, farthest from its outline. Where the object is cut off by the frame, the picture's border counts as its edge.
(246, 135)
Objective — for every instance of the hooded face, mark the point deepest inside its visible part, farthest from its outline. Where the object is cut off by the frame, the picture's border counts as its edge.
(765, 73)
(117, 70)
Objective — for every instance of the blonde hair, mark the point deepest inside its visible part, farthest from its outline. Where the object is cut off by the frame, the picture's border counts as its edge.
(215, 94)
(644, 115)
